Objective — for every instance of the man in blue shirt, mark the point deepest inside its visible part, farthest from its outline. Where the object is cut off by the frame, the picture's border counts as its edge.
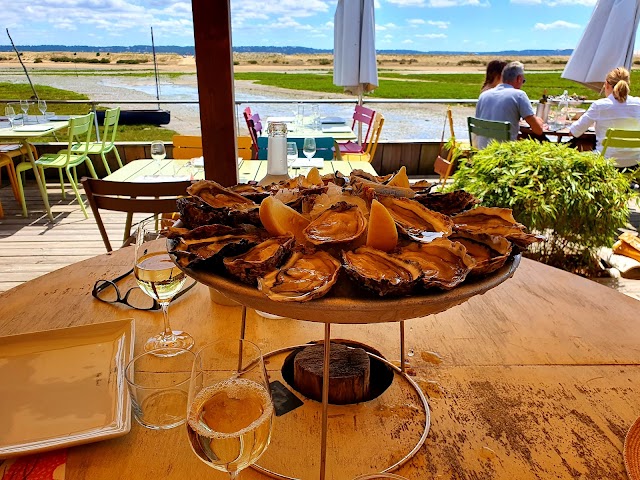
(507, 103)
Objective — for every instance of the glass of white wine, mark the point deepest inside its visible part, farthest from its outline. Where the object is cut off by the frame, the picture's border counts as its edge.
(158, 152)
(230, 412)
(309, 147)
(161, 279)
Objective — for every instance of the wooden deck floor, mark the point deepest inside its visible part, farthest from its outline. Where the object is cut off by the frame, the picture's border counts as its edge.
(30, 247)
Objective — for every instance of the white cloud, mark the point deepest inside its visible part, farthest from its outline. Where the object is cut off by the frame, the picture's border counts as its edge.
(558, 24)
(439, 24)
(407, 41)
(416, 21)
(432, 35)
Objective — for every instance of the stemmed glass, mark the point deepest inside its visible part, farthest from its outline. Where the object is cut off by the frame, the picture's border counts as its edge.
(42, 106)
(158, 152)
(10, 114)
(24, 106)
(292, 153)
(161, 279)
(230, 412)
(309, 147)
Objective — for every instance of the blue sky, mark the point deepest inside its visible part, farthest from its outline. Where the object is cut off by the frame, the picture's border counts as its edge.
(425, 25)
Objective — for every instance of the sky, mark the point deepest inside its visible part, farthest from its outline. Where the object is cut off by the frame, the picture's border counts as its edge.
(423, 25)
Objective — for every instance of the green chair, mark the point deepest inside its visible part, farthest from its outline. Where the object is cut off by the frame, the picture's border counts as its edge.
(111, 118)
(619, 138)
(500, 131)
(79, 131)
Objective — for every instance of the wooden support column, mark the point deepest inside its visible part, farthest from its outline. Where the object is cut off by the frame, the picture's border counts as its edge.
(214, 63)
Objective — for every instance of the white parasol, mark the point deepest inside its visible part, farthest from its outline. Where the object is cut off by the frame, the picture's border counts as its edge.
(354, 47)
(607, 42)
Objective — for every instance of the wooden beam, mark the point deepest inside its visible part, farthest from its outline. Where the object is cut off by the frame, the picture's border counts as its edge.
(214, 63)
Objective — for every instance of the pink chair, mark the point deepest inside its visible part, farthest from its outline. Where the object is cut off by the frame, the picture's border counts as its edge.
(365, 116)
(252, 131)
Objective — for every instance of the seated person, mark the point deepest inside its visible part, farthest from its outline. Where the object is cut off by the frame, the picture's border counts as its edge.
(493, 75)
(617, 110)
(507, 103)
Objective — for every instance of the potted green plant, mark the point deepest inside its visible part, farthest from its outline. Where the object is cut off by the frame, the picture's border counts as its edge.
(577, 200)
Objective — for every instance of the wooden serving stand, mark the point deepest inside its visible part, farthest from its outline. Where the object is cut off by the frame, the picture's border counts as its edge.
(346, 304)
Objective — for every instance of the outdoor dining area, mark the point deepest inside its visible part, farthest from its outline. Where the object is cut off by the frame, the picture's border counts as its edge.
(273, 305)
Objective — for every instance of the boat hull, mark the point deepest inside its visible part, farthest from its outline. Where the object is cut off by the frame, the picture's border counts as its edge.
(140, 117)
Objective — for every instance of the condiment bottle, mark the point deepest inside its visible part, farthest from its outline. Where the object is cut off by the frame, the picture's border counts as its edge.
(277, 149)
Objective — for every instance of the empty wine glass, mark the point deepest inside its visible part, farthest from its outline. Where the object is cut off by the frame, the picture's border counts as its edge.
(309, 147)
(230, 411)
(10, 113)
(161, 279)
(158, 152)
(42, 106)
(24, 106)
(292, 153)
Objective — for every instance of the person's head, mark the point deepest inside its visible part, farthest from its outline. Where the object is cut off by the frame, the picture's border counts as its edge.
(494, 73)
(617, 82)
(513, 74)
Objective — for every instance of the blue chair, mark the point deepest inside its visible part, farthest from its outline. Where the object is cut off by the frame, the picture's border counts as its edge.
(325, 147)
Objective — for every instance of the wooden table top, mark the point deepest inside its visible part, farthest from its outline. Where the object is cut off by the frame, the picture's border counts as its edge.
(538, 378)
(248, 170)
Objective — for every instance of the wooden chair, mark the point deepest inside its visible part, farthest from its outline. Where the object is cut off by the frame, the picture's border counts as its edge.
(620, 138)
(364, 116)
(372, 146)
(187, 146)
(252, 131)
(109, 132)
(131, 197)
(245, 147)
(500, 131)
(325, 147)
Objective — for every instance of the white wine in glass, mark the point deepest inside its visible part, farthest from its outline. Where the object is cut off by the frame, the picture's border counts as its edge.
(309, 147)
(230, 412)
(158, 152)
(161, 279)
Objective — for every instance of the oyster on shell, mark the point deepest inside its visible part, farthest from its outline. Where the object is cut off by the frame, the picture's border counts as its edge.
(448, 203)
(417, 221)
(211, 243)
(489, 251)
(495, 221)
(342, 222)
(380, 272)
(259, 260)
(253, 192)
(217, 196)
(305, 276)
(445, 264)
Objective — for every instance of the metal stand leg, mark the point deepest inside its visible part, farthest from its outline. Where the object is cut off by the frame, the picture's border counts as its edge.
(325, 400)
(402, 365)
(243, 324)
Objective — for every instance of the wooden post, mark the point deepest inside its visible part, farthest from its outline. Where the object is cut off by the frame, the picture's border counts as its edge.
(214, 63)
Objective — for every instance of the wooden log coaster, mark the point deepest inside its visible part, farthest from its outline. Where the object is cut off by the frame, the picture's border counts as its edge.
(349, 373)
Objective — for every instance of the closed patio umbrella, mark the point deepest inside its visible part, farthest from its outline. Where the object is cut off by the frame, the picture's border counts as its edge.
(607, 42)
(354, 47)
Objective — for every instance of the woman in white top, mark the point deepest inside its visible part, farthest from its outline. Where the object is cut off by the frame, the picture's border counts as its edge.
(617, 110)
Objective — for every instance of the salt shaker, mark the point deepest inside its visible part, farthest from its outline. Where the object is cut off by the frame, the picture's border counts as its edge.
(277, 149)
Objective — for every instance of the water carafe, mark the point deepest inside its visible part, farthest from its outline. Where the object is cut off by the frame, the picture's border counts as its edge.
(277, 149)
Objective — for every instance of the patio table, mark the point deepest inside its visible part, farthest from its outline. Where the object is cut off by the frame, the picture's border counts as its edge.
(248, 170)
(24, 134)
(538, 378)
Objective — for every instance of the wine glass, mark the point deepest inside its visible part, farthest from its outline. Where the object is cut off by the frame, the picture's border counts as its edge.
(158, 152)
(24, 106)
(10, 113)
(309, 147)
(161, 279)
(42, 106)
(292, 153)
(230, 412)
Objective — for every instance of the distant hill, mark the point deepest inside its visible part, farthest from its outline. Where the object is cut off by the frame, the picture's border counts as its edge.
(189, 50)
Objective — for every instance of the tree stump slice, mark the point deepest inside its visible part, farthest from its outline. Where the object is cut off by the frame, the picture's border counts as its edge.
(349, 373)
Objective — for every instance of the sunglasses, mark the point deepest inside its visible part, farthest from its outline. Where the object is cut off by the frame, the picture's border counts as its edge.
(107, 291)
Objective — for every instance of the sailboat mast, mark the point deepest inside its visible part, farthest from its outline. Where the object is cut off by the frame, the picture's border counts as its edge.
(35, 95)
(155, 68)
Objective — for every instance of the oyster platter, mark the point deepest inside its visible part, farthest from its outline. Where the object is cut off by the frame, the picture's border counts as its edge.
(354, 249)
